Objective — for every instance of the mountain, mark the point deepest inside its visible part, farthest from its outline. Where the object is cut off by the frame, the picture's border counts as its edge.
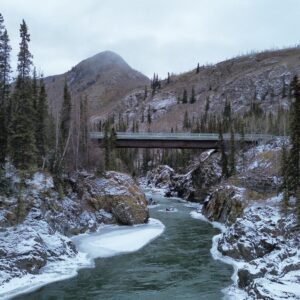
(260, 78)
(114, 88)
(104, 78)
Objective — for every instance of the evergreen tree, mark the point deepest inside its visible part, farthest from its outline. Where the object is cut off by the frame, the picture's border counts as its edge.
(5, 50)
(243, 145)
(168, 78)
(224, 160)
(146, 159)
(198, 69)
(294, 156)
(284, 173)
(42, 122)
(65, 116)
(186, 121)
(84, 130)
(232, 169)
(34, 90)
(106, 145)
(149, 120)
(184, 96)
(112, 146)
(21, 140)
(193, 98)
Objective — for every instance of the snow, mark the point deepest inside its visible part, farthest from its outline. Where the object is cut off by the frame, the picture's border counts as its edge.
(285, 282)
(63, 269)
(288, 287)
(105, 214)
(163, 104)
(41, 182)
(198, 215)
(110, 240)
(114, 240)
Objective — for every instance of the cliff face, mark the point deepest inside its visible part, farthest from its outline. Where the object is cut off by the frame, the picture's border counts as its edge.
(36, 225)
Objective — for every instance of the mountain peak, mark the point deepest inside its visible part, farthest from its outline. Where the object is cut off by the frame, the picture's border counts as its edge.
(103, 60)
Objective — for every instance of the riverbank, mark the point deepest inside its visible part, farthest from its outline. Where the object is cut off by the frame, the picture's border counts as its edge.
(109, 240)
(176, 263)
(262, 248)
(37, 224)
(260, 234)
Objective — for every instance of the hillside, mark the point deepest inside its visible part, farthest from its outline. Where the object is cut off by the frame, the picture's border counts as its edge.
(114, 88)
(261, 78)
(104, 79)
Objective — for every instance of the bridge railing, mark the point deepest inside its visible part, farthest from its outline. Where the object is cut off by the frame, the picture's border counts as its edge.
(182, 136)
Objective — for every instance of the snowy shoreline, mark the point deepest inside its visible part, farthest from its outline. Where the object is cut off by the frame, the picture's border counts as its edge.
(109, 240)
(232, 292)
(282, 284)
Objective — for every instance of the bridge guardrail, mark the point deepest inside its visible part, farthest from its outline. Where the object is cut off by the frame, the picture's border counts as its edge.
(183, 136)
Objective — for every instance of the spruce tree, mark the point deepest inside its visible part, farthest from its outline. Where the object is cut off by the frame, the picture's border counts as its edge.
(65, 117)
(5, 50)
(184, 96)
(198, 69)
(22, 145)
(106, 146)
(232, 168)
(193, 97)
(224, 160)
(186, 121)
(243, 145)
(294, 156)
(42, 122)
(284, 174)
(149, 119)
(84, 130)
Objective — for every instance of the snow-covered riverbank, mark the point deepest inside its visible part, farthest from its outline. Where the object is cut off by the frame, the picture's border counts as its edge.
(263, 251)
(109, 240)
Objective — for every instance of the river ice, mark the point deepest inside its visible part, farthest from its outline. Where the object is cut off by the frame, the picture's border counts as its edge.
(108, 241)
(114, 240)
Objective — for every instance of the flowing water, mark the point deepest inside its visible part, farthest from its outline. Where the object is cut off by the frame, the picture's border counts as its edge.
(176, 265)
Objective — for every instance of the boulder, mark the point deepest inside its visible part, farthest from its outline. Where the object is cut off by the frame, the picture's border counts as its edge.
(115, 193)
(193, 185)
(225, 204)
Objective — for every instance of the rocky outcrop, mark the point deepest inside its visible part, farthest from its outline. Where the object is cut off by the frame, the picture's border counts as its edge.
(36, 225)
(225, 204)
(268, 245)
(194, 185)
(114, 193)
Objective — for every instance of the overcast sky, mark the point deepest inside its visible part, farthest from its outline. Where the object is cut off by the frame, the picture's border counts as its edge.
(151, 35)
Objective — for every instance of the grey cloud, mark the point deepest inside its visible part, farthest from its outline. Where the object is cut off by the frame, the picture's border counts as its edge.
(153, 36)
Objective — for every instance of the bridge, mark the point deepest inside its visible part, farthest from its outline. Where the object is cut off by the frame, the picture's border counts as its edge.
(175, 140)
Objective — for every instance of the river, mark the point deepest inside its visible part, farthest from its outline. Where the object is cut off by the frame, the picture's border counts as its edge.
(176, 265)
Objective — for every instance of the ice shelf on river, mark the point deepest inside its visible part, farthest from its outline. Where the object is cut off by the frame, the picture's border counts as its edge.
(118, 239)
(110, 240)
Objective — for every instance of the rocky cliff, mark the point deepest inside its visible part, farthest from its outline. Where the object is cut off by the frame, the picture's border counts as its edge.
(36, 223)
(262, 235)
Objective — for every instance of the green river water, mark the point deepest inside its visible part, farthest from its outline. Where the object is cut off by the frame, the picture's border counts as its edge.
(176, 265)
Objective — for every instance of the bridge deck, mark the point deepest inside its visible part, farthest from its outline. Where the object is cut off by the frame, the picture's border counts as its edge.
(174, 140)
